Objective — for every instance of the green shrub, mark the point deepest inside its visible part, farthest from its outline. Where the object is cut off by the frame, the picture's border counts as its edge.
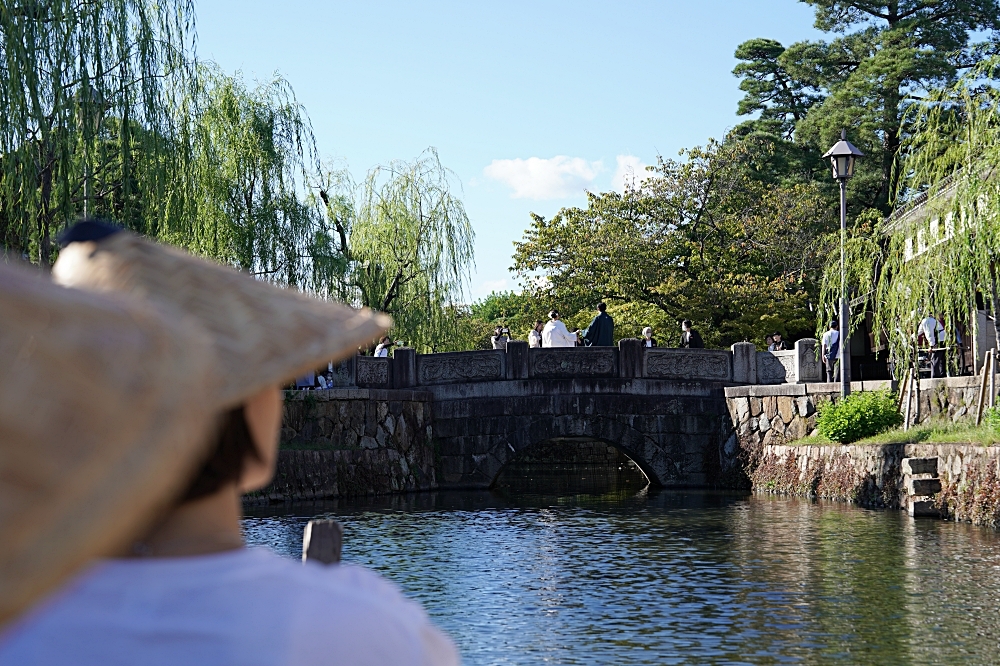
(858, 416)
(991, 418)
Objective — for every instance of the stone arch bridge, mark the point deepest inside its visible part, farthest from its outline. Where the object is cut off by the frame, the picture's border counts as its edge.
(663, 408)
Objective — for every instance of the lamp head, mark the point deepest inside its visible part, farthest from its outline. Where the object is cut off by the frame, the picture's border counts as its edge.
(842, 157)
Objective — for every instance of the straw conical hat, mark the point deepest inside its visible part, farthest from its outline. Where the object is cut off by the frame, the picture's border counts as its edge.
(264, 335)
(91, 442)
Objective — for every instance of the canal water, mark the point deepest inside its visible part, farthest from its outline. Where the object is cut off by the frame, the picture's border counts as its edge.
(585, 571)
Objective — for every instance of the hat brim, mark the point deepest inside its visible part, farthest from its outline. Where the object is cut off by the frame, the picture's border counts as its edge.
(264, 335)
(103, 416)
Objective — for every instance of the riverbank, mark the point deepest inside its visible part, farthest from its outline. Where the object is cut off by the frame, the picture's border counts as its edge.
(873, 476)
(775, 448)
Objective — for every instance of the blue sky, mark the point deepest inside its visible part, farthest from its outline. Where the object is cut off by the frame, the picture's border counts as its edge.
(529, 103)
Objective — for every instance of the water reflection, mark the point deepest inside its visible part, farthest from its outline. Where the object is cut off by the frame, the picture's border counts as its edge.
(643, 577)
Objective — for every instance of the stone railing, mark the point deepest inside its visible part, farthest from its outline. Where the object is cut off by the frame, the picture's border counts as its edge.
(742, 364)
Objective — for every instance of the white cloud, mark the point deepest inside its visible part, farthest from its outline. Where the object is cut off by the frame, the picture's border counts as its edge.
(558, 177)
(631, 171)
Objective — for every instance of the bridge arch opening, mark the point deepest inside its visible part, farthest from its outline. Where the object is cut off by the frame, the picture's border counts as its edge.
(571, 465)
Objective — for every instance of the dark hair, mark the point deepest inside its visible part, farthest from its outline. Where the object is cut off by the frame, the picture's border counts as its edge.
(602, 306)
(834, 324)
(538, 322)
(89, 229)
(225, 462)
(686, 322)
(554, 314)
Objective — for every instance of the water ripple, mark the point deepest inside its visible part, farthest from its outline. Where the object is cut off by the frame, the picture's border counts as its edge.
(674, 577)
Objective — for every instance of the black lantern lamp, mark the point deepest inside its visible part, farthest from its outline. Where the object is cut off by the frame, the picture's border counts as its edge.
(842, 157)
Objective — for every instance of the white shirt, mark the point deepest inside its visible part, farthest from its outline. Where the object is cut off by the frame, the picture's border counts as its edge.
(555, 334)
(830, 340)
(534, 339)
(247, 607)
(381, 351)
(933, 331)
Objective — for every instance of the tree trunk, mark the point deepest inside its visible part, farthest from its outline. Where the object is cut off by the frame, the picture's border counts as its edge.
(45, 215)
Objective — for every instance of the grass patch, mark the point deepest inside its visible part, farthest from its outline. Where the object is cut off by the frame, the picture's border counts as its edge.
(938, 432)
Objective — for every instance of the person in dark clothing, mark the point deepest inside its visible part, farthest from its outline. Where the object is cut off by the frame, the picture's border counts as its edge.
(777, 344)
(690, 338)
(601, 332)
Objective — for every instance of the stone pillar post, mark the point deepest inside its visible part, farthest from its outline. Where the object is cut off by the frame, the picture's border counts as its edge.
(344, 374)
(517, 359)
(630, 356)
(404, 368)
(744, 363)
(808, 367)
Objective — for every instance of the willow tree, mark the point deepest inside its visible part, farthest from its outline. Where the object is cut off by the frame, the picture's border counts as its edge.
(251, 153)
(87, 93)
(404, 242)
(938, 253)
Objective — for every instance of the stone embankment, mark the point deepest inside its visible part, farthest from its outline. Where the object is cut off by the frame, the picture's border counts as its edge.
(767, 420)
(349, 442)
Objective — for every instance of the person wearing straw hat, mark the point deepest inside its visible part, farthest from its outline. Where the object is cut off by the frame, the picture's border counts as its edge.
(87, 462)
(192, 593)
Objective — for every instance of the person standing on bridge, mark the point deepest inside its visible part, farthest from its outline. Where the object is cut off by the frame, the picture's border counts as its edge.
(601, 332)
(535, 335)
(647, 337)
(830, 348)
(555, 333)
(690, 338)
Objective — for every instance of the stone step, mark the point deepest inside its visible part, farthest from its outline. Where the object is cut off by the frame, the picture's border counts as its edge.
(923, 486)
(920, 466)
(922, 507)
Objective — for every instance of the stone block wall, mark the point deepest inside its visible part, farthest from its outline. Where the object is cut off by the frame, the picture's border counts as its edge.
(344, 442)
(871, 476)
(951, 398)
(766, 415)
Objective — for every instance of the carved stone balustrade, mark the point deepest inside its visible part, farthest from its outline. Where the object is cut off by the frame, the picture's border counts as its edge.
(460, 367)
(708, 364)
(741, 365)
(572, 363)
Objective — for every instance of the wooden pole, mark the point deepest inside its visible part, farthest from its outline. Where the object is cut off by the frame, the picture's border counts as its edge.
(909, 399)
(993, 374)
(987, 363)
(904, 386)
(322, 541)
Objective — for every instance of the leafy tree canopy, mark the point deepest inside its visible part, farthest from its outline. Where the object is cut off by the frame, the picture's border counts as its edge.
(880, 59)
(702, 239)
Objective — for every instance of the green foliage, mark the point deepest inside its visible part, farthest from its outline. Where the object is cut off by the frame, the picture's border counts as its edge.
(252, 150)
(400, 243)
(991, 419)
(87, 95)
(858, 416)
(704, 239)
(881, 58)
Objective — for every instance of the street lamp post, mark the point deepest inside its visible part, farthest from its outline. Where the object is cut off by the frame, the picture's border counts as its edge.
(842, 157)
